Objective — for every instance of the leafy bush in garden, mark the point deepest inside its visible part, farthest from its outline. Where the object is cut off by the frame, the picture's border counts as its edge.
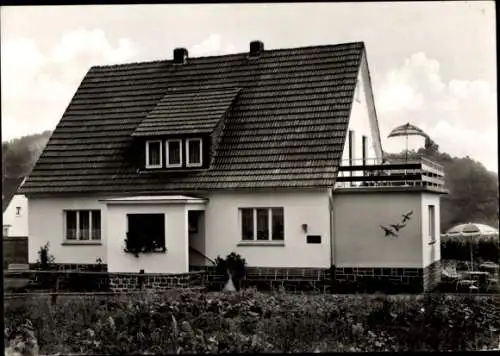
(248, 321)
(45, 258)
(234, 265)
(21, 341)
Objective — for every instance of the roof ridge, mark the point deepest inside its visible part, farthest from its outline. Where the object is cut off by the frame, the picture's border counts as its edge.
(158, 61)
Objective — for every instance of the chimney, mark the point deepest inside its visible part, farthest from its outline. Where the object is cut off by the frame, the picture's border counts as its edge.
(180, 56)
(256, 48)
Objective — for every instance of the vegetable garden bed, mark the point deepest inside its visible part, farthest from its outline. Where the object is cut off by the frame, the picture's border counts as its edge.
(250, 321)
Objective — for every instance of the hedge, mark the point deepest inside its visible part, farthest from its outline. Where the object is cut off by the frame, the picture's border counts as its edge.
(458, 248)
(250, 321)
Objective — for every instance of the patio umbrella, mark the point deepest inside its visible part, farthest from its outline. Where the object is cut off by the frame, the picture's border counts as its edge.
(407, 130)
(470, 230)
(484, 230)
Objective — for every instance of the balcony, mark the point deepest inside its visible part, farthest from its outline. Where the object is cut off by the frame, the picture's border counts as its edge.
(420, 174)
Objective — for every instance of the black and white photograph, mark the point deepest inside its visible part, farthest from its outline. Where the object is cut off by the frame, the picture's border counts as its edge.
(303, 177)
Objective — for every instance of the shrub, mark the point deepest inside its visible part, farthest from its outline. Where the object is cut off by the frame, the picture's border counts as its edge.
(45, 258)
(234, 265)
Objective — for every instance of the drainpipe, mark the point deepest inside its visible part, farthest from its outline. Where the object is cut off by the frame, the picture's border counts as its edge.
(333, 248)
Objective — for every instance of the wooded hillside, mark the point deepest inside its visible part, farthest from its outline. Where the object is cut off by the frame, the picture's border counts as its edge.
(20, 155)
(473, 190)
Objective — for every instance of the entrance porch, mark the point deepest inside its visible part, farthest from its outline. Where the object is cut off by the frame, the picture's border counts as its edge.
(153, 233)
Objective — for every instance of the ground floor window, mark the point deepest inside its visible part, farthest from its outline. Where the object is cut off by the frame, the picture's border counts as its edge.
(83, 225)
(262, 224)
(146, 232)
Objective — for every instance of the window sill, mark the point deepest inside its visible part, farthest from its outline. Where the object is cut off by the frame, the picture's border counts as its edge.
(81, 243)
(172, 170)
(262, 243)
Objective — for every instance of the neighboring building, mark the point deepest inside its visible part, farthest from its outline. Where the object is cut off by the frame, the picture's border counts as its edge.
(272, 154)
(14, 208)
(14, 223)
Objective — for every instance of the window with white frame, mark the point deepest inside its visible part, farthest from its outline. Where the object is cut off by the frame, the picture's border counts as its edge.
(432, 222)
(174, 153)
(82, 225)
(194, 152)
(262, 224)
(154, 155)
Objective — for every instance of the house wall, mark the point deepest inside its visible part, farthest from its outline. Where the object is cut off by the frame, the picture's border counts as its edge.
(223, 230)
(18, 223)
(174, 260)
(431, 253)
(363, 120)
(46, 224)
(359, 240)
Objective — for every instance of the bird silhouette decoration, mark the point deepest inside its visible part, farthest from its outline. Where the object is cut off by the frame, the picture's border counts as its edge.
(395, 228)
(388, 232)
(406, 216)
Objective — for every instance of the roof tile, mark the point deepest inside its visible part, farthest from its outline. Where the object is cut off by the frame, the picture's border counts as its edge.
(285, 127)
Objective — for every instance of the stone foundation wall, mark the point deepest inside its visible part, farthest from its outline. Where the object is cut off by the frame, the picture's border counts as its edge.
(121, 282)
(268, 279)
(346, 280)
(395, 280)
(94, 267)
(88, 278)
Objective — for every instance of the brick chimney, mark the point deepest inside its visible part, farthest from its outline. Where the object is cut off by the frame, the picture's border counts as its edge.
(180, 56)
(256, 48)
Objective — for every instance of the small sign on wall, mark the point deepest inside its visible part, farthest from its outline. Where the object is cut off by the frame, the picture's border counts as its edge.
(313, 239)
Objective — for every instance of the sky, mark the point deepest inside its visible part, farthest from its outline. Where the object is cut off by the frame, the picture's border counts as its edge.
(432, 64)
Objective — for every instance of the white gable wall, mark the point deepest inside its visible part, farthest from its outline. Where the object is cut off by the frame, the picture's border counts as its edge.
(46, 224)
(363, 119)
(223, 228)
(18, 222)
(222, 231)
(361, 242)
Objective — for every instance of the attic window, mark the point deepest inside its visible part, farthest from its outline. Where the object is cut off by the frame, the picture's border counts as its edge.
(194, 152)
(174, 153)
(153, 154)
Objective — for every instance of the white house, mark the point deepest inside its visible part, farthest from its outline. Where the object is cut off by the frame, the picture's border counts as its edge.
(15, 209)
(272, 154)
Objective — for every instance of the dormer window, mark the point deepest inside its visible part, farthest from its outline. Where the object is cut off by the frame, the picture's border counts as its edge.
(154, 154)
(174, 153)
(194, 152)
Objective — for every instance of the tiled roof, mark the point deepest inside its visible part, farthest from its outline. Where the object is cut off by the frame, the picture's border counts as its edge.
(187, 112)
(286, 128)
(9, 189)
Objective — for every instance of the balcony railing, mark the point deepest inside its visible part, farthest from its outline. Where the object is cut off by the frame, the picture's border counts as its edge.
(372, 173)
